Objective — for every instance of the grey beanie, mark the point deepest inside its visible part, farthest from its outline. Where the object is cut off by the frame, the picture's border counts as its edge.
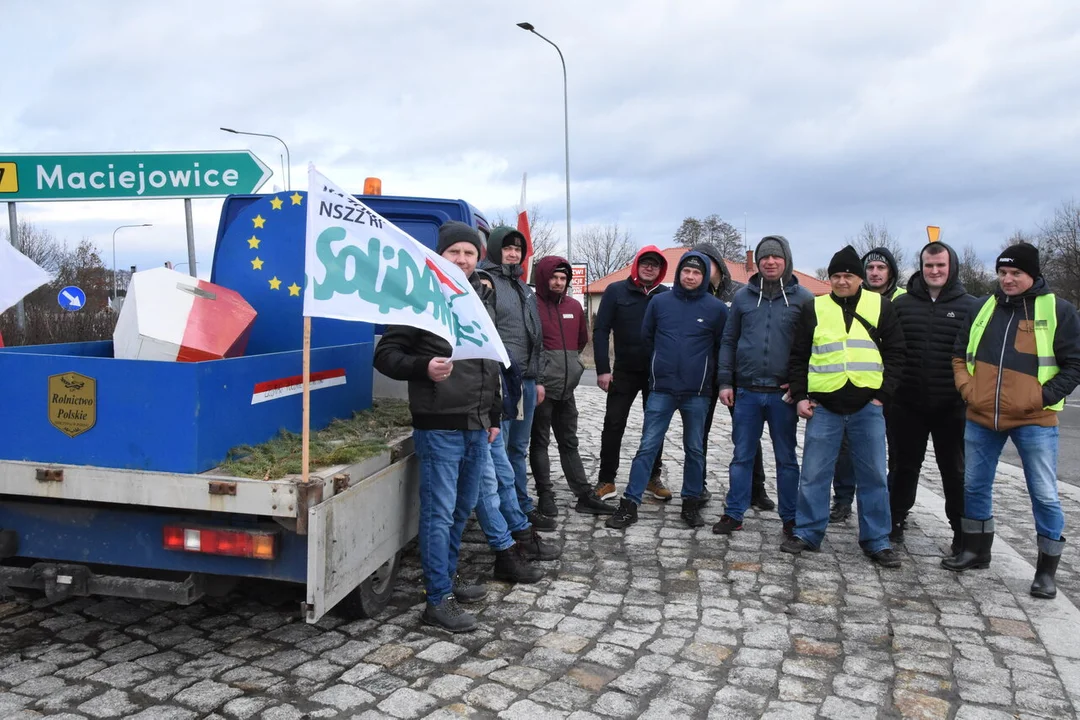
(452, 232)
(770, 246)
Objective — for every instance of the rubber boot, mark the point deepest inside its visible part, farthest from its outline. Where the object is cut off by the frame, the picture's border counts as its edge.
(512, 566)
(691, 512)
(976, 539)
(1049, 555)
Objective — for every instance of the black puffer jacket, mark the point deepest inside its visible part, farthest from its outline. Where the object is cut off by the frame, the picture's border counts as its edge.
(930, 329)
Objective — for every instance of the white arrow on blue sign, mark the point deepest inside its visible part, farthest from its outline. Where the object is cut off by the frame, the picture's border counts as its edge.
(71, 298)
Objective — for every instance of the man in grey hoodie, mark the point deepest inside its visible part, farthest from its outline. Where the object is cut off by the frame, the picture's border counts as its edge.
(753, 378)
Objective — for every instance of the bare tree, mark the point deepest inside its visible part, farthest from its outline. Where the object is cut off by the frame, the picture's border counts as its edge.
(822, 274)
(874, 235)
(542, 231)
(1059, 249)
(606, 248)
(973, 274)
(39, 245)
(712, 230)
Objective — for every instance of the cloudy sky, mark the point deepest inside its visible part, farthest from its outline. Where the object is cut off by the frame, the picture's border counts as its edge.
(805, 118)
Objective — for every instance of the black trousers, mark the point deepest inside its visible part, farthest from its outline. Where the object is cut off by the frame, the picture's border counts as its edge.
(911, 428)
(622, 392)
(759, 465)
(560, 416)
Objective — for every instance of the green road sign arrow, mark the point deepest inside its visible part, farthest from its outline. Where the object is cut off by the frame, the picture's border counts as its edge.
(130, 176)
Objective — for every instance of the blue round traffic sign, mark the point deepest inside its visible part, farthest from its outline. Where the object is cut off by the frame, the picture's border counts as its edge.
(71, 298)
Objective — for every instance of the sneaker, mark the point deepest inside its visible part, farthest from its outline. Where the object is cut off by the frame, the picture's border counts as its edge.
(540, 521)
(795, 545)
(789, 528)
(727, 525)
(468, 592)
(840, 512)
(589, 504)
(625, 515)
(448, 615)
(762, 501)
(886, 558)
(658, 490)
(546, 504)
(605, 490)
(533, 547)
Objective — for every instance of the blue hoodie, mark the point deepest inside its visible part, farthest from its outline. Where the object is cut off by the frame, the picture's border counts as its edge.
(681, 334)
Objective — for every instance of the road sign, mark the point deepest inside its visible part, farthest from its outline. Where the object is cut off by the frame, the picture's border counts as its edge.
(130, 176)
(71, 298)
(933, 232)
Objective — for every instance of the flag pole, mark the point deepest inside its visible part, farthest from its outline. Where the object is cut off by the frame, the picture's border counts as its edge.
(306, 433)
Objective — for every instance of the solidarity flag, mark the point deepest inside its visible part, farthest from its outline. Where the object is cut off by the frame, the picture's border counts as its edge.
(360, 266)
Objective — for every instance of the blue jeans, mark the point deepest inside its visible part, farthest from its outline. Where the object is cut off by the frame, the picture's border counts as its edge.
(658, 411)
(866, 436)
(497, 509)
(844, 478)
(1038, 448)
(451, 463)
(752, 411)
(518, 433)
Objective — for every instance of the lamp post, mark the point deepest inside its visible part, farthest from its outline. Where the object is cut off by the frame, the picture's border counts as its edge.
(566, 128)
(114, 276)
(288, 160)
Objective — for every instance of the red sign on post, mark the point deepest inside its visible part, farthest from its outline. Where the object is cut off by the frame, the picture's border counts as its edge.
(579, 281)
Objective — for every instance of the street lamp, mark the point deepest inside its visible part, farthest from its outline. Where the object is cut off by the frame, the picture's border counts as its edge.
(114, 254)
(566, 128)
(288, 160)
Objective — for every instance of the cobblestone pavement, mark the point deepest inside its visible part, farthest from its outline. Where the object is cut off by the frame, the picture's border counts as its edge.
(659, 622)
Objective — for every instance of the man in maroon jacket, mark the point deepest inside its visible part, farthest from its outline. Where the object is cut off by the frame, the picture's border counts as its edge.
(565, 336)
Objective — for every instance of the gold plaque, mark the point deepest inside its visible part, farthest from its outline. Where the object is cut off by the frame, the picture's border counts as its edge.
(72, 403)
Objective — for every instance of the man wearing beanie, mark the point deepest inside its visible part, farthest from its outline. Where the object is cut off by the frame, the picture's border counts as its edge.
(846, 361)
(518, 322)
(931, 314)
(456, 412)
(753, 379)
(882, 276)
(681, 334)
(1015, 362)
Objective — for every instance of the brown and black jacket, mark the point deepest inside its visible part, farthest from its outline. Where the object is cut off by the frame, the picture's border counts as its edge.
(1005, 393)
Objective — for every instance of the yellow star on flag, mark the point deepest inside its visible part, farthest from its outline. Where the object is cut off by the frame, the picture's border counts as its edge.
(256, 264)
(259, 221)
(294, 289)
(276, 203)
(296, 198)
(275, 284)
(253, 243)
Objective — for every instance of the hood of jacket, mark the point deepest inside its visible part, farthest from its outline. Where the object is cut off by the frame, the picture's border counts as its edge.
(713, 254)
(543, 272)
(953, 287)
(493, 261)
(894, 271)
(789, 267)
(637, 258)
(701, 289)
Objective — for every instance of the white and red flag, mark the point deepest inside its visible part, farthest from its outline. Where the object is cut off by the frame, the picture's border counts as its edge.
(523, 228)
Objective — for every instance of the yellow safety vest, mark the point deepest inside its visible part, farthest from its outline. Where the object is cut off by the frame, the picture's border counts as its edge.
(897, 292)
(838, 354)
(1045, 329)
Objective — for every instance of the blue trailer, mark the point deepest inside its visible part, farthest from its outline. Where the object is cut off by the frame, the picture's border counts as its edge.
(109, 468)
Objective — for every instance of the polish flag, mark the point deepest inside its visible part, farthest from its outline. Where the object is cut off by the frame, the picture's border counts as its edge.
(284, 387)
(171, 316)
(523, 228)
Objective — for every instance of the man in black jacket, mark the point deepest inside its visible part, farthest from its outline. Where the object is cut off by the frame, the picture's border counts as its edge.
(456, 411)
(932, 313)
(622, 310)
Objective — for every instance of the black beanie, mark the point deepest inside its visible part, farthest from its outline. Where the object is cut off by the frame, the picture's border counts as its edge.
(695, 262)
(847, 260)
(453, 232)
(1022, 256)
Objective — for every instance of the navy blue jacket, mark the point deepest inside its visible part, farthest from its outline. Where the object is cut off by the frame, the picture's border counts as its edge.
(681, 334)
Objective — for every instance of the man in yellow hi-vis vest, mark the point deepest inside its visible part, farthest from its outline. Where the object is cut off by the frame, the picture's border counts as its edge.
(846, 360)
(1014, 363)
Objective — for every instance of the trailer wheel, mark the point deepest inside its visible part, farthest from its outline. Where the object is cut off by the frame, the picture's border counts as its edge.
(370, 597)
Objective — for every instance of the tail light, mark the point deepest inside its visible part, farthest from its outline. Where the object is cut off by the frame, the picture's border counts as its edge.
(257, 544)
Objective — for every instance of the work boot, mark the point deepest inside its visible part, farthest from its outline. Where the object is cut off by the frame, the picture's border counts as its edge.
(540, 521)
(727, 525)
(512, 566)
(533, 547)
(795, 545)
(468, 592)
(658, 490)
(789, 528)
(605, 490)
(761, 500)
(886, 557)
(976, 539)
(1049, 555)
(840, 512)
(589, 504)
(706, 496)
(448, 615)
(625, 515)
(691, 512)
(545, 503)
